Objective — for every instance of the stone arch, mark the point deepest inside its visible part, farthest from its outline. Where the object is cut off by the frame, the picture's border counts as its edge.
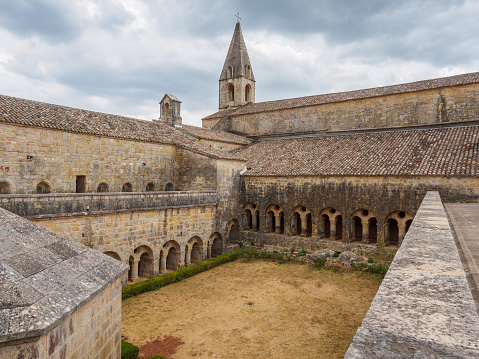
(251, 217)
(247, 93)
(150, 187)
(331, 224)
(44, 186)
(170, 256)
(215, 245)
(301, 221)
(169, 187)
(397, 225)
(274, 219)
(233, 229)
(141, 263)
(363, 226)
(6, 187)
(102, 187)
(194, 251)
(231, 92)
(127, 187)
(113, 254)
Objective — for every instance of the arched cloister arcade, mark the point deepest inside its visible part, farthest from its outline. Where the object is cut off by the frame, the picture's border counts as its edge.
(275, 219)
(301, 222)
(397, 225)
(360, 226)
(331, 224)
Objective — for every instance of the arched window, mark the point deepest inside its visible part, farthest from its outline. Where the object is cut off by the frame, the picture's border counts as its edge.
(150, 187)
(43, 187)
(127, 187)
(231, 93)
(5, 188)
(247, 93)
(230, 72)
(167, 109)
(169, 187)
(102, 187)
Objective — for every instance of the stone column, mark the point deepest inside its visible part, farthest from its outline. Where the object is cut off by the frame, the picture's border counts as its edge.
(304, 226)
(156, 267)
(188, 257)
(254, 222)
(277, 223)
(386, 234)
(162, 263)
(181, 263)
(209, 250)
(402, 232)
(365, 225)
(134, 269)
(332, 229)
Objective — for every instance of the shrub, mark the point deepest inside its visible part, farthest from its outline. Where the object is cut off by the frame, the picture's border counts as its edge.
(128, 350)
(375, 268)
(319, 262)
(178, 275)
(156, 357)
(335, 255)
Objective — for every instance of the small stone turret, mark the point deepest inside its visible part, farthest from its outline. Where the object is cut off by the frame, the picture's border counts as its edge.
(237, 83)
(170, 108)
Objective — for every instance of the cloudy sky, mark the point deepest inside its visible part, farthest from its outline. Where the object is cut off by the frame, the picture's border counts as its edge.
(122, 56)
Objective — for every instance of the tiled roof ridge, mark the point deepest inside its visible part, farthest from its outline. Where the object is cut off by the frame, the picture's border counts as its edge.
(75, 108)
(422, 85)
(215, 135)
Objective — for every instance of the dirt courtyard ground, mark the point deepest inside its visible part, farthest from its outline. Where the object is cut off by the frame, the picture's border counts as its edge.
(254, 309)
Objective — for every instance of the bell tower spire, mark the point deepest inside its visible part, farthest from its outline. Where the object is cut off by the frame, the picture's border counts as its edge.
(237, 83)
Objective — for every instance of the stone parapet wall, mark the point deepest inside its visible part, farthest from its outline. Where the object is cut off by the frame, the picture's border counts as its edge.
(424, 307)
(122, 233)
(74, 204)
(93, 331)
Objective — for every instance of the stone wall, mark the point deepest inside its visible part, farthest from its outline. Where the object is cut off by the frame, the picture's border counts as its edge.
(93, 331)
(381, 197)
(30, 155)
(446, 105)
(63, 204)
(194, 171)
(424, 307)
(124, 232)
(229, 196)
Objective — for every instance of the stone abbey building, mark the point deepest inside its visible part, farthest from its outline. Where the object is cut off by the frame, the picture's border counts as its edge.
(345, 171)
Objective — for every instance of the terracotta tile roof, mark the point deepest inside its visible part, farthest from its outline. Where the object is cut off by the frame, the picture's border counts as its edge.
(40, 114)
(350, 95)
(212, 135)
(438, 152)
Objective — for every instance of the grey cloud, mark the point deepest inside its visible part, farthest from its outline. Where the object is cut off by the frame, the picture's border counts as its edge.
(363, 33)
(36, 17)
(56, 21)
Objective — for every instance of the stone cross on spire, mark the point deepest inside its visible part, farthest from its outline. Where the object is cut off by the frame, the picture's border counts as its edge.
(238, 17)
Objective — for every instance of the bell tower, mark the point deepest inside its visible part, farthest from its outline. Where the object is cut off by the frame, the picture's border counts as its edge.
(170, 108)
(237, 83)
